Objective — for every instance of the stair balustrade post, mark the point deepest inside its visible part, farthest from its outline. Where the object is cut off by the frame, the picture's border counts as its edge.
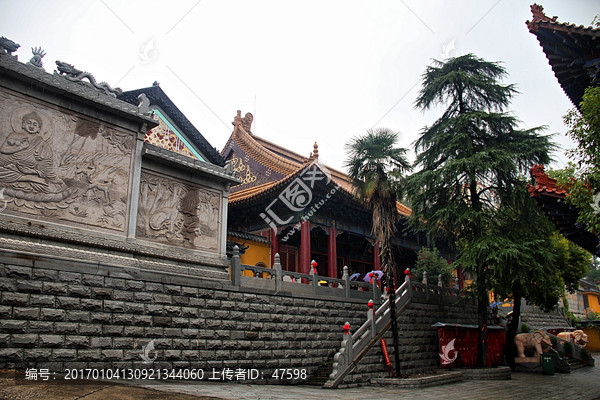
(315, 281)
(371, 317)
(376, 294)
(426, 283)
(441, 285)
(346, 280)
(236, 267)
(348, 343)
(408, 286)
(278, 273)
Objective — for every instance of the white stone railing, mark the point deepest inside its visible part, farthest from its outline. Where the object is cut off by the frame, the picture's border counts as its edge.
(281, 281)
(355, 345)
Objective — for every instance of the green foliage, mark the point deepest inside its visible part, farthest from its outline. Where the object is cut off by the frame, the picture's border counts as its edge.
(582, 180)
(524, 328)
(593, 275)
(470, 162)
(593, 316)
(572, 261)
(375, 167)
(434, 265)
(473, 154)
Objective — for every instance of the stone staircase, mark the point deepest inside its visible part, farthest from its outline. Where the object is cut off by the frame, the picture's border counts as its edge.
(321, 374)
(356, 345)
(537, 319)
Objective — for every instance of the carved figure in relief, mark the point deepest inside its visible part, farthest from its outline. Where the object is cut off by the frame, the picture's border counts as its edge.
(178, 214)
(27, 163)
(191, 223)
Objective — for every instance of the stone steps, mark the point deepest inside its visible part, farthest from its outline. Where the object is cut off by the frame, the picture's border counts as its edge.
(321, 374)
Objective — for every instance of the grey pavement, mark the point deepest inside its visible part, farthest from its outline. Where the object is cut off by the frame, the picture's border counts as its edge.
(583, 383)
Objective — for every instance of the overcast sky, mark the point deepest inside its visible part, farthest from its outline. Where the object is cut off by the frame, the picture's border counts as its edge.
(309, 71)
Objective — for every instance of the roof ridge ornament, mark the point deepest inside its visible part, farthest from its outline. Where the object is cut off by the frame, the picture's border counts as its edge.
(75, 75)
(7, 46)
(245, 123)
(538, 16)
(36, 60)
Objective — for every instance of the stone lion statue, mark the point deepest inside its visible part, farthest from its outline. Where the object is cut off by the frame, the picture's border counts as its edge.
(536, 340)
(578, 337)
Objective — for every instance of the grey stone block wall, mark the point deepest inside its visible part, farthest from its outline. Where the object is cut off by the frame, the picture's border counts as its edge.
(50, 318)
(418, 341)
(86, 316)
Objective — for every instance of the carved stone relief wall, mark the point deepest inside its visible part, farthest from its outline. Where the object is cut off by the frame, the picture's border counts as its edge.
(176, 213)
(61, 166)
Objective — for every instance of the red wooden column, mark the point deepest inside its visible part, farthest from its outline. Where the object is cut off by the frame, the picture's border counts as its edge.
(304, 266)
(274, 246)
(332, 253)
(376, 259)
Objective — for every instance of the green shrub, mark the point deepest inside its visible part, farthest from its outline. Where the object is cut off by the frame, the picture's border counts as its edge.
(524, 328)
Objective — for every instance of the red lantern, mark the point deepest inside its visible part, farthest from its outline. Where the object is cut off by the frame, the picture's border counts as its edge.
(370, 304)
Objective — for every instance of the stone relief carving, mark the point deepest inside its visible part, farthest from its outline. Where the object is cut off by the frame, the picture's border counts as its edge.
(179, 214)
(63, 166)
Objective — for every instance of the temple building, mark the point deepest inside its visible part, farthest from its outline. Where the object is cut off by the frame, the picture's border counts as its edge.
(301, 209)
(573, 52)
(174, 131)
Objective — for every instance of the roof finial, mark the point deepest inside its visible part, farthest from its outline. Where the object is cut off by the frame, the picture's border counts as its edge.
(538, 16)
(247, 122)
(315, 151)
(237, 120)
(38, 54)
(7, 46)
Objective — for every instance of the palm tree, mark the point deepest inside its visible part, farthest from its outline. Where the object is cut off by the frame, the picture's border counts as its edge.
(470, 159)
(376, 168)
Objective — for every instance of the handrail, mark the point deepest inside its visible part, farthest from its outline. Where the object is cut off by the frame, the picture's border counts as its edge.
(353, 289)
(355, 346)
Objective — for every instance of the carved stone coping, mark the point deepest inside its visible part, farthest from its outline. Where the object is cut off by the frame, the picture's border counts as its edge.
(35, 237)
(176, 160)
(163, 273)
(60, 85)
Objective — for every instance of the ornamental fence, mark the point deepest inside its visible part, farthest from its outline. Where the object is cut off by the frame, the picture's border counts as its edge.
(281, 281)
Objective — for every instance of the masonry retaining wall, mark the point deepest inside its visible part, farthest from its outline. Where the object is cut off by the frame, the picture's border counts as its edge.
(61, 314)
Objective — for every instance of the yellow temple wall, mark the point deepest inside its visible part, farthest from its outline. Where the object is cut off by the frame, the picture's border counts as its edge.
(593, 337)
(593, 301)
(255, 253)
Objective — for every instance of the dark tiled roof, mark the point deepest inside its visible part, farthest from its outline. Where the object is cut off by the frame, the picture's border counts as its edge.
(248, 236)
(572, 51)
(551, 200)
(158, 97)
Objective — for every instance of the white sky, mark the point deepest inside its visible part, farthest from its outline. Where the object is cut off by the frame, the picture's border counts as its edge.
(309, 71)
